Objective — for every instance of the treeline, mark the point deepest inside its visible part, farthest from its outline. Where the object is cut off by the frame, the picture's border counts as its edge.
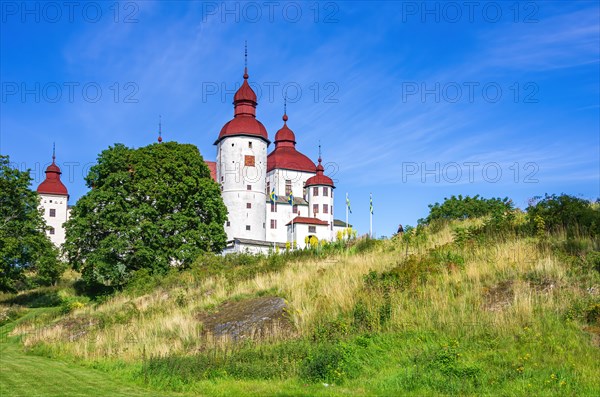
(547, 214)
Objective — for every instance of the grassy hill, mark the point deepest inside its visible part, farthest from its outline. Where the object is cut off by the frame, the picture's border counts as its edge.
(449, 311)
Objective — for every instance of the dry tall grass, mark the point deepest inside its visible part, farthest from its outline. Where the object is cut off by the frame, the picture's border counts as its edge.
(489, 292)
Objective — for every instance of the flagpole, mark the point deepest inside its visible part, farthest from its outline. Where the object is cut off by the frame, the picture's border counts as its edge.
(371, 216)
(347, 212)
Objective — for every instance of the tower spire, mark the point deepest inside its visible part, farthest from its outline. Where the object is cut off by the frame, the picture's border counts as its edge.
(285, 117)
(159, 128)
(53, 152)
(246, 59)
(319, 151)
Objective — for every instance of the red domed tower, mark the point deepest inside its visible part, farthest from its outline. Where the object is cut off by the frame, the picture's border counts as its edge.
(285, 156)
(54, 199)
(241, 167)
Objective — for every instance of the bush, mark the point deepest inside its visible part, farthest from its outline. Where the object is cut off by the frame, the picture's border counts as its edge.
(332, 363)
(466, 207)
(556, 213)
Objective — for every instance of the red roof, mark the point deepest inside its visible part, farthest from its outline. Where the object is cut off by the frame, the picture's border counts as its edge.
(285, 155)
(52, 184)
(244, 121)
(320, 179)
(308, 221)
(244, 126)
(212, 166)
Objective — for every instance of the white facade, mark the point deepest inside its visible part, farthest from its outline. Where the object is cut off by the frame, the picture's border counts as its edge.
(301, 231)
(243, 185)
(320, 198)
(56, 213)
(282, 212)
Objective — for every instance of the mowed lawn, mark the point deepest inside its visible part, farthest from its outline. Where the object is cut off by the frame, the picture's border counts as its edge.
(25, 375)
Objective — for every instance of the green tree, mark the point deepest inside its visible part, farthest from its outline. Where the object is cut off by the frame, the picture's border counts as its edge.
(148, 208)
(569, 213)
(459, 207)
(24, 246)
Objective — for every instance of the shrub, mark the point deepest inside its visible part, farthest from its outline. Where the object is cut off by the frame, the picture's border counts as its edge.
(332, 363)
(574, 215)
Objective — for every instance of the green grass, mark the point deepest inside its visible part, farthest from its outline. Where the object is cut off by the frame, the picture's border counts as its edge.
(508, 316)
(27, 375)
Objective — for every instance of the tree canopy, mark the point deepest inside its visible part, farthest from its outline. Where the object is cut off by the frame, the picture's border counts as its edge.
(24, 246)
(466, 207)
(148, 208)
(572, 214)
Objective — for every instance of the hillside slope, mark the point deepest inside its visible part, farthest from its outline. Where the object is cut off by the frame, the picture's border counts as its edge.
(449, 313)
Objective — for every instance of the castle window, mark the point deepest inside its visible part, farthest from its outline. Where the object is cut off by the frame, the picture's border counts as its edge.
(325, 208)
(273, 223)
(247, 227)
(248, 187)
(52, 212)
(315, 209)
(295, 209)
(52, 231)
(325, 191)
(250, 145)
(273, 207)
(288, 187)
(315, 191)
(312, 229)
(228, 223)
(50, 200)
(248, 205)
(268, 188)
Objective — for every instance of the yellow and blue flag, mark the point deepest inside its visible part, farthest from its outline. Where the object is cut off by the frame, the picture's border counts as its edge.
(273, 196)
(291, 199)
(348, 203)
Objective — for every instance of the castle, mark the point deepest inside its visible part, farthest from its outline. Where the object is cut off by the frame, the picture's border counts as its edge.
(276, 200)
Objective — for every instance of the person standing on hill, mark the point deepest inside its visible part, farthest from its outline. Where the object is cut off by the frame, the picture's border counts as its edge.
(400, 230)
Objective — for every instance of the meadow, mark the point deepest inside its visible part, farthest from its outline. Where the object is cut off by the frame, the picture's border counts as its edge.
(452, 309)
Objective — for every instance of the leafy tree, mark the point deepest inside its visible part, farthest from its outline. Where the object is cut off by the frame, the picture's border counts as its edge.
(569, 213)
(467, 207)
(148, 208)
(24, 246)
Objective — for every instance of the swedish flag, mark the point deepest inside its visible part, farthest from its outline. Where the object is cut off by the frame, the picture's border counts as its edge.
(371, 204)
(291, 199)
(273, 196)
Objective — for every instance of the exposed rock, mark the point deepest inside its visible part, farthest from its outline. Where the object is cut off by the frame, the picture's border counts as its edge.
(251, 318)
(499, 296)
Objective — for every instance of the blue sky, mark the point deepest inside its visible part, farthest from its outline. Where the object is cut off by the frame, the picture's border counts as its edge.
(411, 101)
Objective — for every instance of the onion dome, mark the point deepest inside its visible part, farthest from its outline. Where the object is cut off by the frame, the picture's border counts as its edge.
(285, 155)
(320, 179)
(52, 184)
(244, 122)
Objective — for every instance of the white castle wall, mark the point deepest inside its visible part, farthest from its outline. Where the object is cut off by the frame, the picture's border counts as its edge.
(320, 200)
(59, 204)
(284, 214)
(235, 177)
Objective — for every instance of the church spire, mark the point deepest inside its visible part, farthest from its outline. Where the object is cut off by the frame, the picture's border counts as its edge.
(159, 128)
(244, 100)
(246, 60)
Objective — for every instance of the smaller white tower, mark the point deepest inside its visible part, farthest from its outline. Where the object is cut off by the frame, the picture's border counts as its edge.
(319, 192)
(54, 199)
